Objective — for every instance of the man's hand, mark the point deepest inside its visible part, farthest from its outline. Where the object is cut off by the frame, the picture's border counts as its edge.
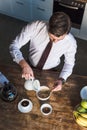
(27, 71)
(58, 85)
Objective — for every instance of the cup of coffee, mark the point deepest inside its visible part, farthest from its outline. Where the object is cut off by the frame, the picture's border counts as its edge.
(32, 84)
(46, 109)
(25, 106)
(43, 93)
(83, 93)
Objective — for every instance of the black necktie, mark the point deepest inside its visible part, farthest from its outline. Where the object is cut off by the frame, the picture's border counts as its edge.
(44, 55)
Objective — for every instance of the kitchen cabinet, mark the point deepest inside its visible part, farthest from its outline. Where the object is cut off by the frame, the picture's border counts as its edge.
(5, 7)
(22, 9)
(83, 30)
(27, 10)
(42, 9)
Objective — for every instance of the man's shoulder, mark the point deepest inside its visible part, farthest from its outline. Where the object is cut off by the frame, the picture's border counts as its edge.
(70, 41)
(37, 23)
(71, 38)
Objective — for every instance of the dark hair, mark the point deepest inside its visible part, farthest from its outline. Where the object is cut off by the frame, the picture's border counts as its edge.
(59, 24)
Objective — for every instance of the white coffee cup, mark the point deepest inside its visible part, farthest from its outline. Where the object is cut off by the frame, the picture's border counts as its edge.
(32, 84)
(43, 93)
(25, 106)
(46, 109)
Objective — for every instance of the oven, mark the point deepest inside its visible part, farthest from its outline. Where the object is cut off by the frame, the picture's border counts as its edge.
(74, 8)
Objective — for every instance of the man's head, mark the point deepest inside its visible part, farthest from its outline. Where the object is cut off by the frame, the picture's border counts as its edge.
(59, 24)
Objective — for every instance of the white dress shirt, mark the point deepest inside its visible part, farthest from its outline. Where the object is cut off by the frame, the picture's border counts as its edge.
(37, 34)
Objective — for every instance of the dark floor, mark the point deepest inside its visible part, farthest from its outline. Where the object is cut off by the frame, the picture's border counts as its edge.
(10, 27)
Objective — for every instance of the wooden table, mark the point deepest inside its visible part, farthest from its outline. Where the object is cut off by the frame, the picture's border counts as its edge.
(63, 102)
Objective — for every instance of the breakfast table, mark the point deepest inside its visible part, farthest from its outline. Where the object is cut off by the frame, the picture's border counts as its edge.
(63, 102)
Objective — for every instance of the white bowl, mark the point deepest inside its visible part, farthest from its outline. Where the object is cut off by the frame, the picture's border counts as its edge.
(46, 109)
(25, 106)
(83, 92)
(43, 89)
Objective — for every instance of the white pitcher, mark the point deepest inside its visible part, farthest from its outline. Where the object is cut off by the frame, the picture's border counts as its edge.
(32, 84)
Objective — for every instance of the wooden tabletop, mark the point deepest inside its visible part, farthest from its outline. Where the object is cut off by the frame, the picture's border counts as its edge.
(63, 102)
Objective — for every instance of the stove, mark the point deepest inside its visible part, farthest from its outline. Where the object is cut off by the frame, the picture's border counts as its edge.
(74, 8)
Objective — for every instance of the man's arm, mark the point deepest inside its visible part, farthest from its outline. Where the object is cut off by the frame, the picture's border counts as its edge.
(22, 39)
(17, 56)
(69, 60)
(67, 68)
(27, 71)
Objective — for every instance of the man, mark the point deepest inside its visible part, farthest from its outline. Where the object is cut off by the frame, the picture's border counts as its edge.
(39, 34)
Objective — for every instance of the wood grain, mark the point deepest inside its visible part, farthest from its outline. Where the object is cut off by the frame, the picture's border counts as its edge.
(63, 102)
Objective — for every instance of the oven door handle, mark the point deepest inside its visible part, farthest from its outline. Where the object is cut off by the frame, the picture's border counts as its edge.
(70, 7)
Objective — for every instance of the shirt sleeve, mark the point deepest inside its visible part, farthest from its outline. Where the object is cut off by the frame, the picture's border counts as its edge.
(22, 39)
(69, 61)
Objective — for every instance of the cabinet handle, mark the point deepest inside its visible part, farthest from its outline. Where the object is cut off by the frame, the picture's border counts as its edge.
(19, 3)
(67, 6)
(42, 0)
(40, 9)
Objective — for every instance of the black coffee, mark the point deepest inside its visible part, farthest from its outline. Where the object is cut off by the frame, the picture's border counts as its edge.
(25, 103)
(44, 93)
(46, 109)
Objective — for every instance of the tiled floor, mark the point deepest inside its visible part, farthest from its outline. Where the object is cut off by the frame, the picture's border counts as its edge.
(10, 27)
